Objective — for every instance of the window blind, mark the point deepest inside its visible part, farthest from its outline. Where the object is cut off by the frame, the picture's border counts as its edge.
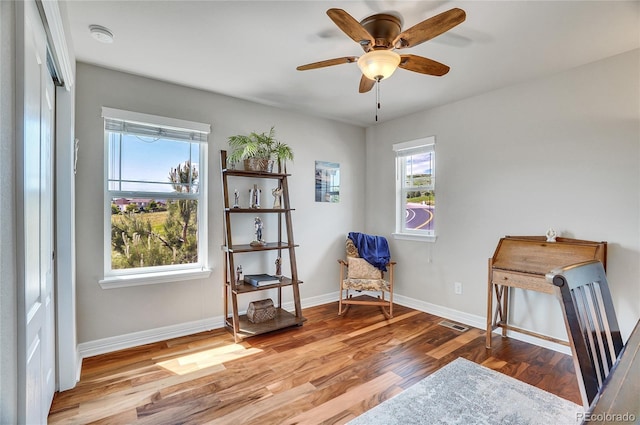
(414, 147)
(138, 124)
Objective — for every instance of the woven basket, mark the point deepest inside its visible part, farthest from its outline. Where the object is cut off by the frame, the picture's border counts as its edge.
(261, 311)
(258, 164)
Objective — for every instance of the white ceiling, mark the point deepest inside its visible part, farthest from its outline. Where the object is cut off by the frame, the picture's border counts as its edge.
(250, 49)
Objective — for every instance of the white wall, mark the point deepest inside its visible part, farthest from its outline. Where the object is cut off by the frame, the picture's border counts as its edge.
(8, 280)
(319, 227)
(558, 152)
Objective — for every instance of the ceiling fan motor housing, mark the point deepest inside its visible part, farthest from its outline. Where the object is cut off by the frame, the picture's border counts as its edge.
(384, 28)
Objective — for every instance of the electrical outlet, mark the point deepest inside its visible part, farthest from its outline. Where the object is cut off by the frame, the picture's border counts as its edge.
(457, 288)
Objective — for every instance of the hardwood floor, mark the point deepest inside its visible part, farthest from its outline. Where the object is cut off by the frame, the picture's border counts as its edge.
(326, 372)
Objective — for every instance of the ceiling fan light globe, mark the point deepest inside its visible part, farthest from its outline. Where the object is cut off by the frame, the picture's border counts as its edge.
(378, 64)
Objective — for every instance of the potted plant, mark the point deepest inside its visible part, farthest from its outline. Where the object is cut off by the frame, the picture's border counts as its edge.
(259, 151)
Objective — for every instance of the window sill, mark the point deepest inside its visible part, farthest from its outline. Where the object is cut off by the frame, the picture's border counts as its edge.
(111, 282)
(411, 237)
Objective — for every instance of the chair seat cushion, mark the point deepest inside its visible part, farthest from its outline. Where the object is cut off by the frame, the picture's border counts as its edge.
(359, 268)
(366, 284)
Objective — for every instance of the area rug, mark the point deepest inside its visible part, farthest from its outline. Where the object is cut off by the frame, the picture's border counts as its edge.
(464, 392)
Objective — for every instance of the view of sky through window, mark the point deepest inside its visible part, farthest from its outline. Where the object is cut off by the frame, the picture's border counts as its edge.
(144, 163)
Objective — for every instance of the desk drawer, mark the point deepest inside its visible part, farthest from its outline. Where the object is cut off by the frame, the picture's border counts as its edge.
(522, 280)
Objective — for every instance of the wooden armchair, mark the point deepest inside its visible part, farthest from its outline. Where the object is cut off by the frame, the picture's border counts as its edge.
(591, 323)
(356, 274)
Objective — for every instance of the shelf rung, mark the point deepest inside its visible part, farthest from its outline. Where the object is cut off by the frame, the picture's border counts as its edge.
(248, 248)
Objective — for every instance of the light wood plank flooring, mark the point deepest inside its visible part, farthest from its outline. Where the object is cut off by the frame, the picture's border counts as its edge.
(326, 372)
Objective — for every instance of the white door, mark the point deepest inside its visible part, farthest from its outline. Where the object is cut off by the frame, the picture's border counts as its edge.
(37, 351)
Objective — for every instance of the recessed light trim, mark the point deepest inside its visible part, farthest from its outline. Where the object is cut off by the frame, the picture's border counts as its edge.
(101, 34)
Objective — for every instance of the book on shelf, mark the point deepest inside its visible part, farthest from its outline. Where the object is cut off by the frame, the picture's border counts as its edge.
(261, 279)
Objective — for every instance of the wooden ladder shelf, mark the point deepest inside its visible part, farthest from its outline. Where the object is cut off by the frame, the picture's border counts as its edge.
(240, 325)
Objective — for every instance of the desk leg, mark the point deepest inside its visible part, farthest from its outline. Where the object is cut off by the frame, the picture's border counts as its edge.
(497, 314)
(505, 311)
(497, 318)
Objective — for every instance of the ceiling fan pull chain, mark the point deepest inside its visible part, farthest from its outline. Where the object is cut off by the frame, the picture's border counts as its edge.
(377, 97)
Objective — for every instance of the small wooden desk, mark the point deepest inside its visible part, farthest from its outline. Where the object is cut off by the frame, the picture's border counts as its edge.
(619, 399)
(522, 262)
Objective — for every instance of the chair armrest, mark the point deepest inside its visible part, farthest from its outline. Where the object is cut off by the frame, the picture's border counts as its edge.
(390, 265)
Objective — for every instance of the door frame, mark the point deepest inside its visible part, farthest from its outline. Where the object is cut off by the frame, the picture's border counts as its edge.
(68, 359)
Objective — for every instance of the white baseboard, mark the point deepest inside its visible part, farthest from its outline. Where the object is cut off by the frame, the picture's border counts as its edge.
(320, 300)
(476, 321)
(107, 345)
(114, 343)
(134, 339)
(444, 312)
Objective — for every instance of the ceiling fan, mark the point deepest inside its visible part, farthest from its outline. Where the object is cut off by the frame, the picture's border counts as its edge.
(379, 35)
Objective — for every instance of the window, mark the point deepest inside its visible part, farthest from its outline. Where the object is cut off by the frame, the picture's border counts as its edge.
(155, 198)
(415, 189)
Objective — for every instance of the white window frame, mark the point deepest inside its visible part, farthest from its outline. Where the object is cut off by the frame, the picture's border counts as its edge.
(403, 150)
(117, 278)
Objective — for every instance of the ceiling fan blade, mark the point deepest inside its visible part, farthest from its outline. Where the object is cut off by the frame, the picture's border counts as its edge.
(430, 28)
(366, 84)
(328, 62)
(422, 65)
(351, 27)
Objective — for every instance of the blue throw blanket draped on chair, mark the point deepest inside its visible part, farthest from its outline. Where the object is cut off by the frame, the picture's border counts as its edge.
(374, 249)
